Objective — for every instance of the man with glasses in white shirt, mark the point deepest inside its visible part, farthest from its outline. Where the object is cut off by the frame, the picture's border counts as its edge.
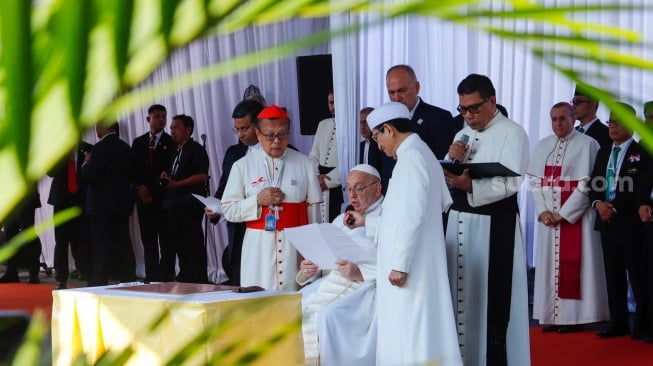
(485, 249)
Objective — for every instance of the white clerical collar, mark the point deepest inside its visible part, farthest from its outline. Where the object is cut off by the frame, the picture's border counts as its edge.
(412, 111)
(265, 154)
(253, 147)
(374, 205)
(567, 137)
(494, 118)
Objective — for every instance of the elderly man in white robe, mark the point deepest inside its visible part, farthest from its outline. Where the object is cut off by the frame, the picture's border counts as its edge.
(271, 189)
(339, 308)
(485, 249)
(414, 313)
(570, 285)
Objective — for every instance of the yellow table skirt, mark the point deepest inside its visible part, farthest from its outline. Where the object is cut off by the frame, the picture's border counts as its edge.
(93, 321)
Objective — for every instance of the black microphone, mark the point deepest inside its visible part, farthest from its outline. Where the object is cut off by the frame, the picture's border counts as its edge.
(203, 137)
(464, 139)
(351, 220)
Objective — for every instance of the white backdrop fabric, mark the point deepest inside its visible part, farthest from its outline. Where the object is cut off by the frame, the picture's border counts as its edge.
(441, 53)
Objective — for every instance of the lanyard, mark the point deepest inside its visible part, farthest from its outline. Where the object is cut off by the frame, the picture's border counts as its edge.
(175, 164)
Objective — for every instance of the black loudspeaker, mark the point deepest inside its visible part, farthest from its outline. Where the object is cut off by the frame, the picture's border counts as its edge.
(314, 82)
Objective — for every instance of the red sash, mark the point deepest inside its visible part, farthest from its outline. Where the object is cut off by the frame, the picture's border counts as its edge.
(571, 238)
(293, 214)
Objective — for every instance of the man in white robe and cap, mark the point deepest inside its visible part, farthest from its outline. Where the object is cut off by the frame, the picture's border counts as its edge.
(339, 308)
(570, 285)
(271, 189)
(485, 249)
(414, 312)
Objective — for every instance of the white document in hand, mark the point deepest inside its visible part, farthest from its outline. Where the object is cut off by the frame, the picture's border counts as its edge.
(211, 203)
(324, 243)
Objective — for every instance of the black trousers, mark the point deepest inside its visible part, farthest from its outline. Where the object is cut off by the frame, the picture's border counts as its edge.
(647, 280)
(185, 217)
(111, 248)
(233, 252)
(156, 244)
(74, 234)
(622, 254)
(30, 254)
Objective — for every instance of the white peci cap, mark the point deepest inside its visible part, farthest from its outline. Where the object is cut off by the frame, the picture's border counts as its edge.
(387, 112)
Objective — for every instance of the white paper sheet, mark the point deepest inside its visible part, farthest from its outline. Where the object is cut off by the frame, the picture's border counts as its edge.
(325, 243)
(212, 203)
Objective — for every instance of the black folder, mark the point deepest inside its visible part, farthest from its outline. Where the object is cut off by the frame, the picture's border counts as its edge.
(479, 170)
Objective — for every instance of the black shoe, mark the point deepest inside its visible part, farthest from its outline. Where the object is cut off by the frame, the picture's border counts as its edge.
(648, 339)
(34, 280)
(74, 274)
(60, 285)
(549, 328)
(613, 331)
(9, 278)
(637, 334)
(570, 328)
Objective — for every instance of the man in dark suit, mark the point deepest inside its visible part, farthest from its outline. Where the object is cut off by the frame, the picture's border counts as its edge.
(109, 201)
(20, 219)
(186, 175)
(244, 116)
(614, 194)
(585, 112)
(152, 153)
(369, 152)
(434, 125)
(646, 215)
(68, 189)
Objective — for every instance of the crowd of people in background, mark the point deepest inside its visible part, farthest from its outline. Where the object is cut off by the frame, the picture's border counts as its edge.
(448, 282)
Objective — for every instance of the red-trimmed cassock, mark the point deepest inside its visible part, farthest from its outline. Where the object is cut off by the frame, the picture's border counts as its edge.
(569, 274)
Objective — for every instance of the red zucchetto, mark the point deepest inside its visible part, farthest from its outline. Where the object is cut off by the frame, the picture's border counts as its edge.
(273, 112)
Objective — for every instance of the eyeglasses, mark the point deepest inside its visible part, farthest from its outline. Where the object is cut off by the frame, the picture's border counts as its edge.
(472, 108)
(241, 129)
(271, 136)
(579, 101)
(375, 135)
(360, 189)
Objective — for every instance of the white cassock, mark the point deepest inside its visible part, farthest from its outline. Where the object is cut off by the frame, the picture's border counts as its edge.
(468, 244)
(344, 325)
(415, 322)
(325, 152)
(569, 277)
(268, 260)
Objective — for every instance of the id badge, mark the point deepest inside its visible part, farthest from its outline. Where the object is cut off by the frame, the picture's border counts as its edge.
(270, 222)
